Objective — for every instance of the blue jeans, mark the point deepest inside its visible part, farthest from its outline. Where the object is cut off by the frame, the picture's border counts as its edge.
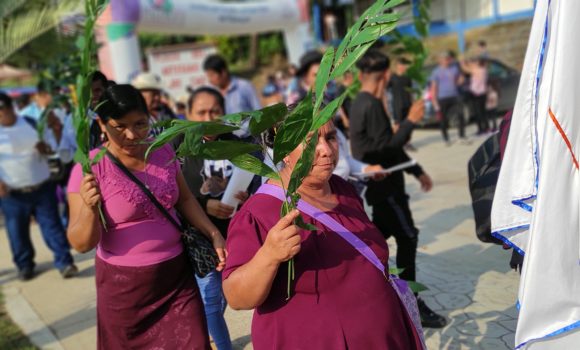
(18, 208)
(215, 304)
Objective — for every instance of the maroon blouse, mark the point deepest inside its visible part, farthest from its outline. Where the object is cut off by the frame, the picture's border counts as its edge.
(339, 300)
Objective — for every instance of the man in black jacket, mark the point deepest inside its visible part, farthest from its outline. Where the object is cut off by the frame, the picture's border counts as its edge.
(374, 141)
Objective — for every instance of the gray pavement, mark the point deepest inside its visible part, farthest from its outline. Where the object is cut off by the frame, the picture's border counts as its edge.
(469, 282)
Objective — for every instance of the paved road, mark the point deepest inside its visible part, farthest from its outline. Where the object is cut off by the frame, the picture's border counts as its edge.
(470, 282)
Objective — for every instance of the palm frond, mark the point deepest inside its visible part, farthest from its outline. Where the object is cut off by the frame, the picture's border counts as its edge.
(18, 28)
(7, 7)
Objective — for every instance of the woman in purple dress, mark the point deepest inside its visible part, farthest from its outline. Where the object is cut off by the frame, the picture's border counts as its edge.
(147, 297)
(339, 299)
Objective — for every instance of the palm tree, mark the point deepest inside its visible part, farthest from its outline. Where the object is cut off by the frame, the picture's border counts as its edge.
(22, 21)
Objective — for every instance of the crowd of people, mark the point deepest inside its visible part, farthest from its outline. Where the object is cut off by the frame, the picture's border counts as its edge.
(458, 83)
(147, 294)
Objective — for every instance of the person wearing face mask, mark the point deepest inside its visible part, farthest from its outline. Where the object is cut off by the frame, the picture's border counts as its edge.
(339, 300)
(147, 296)
(374, 141)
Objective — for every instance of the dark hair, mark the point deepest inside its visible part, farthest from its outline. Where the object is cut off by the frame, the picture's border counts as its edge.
(403, 60)
(206, 90)
(119, 100)
(5, 100)
(43, 86)
(373, 61)
(99, 76)
(216, 63)
(307, 60)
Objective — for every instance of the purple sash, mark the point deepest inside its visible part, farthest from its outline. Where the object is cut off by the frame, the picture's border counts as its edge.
(400, 286)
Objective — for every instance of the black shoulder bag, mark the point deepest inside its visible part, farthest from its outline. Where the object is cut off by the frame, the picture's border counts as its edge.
(198, 247)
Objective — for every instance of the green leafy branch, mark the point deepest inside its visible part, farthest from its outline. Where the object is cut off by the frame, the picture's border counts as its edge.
(81, 120)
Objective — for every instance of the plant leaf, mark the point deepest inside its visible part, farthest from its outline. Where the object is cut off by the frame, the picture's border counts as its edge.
(384, 18)
(268, 117)
(323, 76)
(372, 33)
(180, 127)
(238, 118)
(97, 158)
(328, 112)
(294, 129)
(416, 287)
(303, 165)
(393, 3)
(252, 164)
(395, 271)
(350, 59)
(217, 150)
(303, 225)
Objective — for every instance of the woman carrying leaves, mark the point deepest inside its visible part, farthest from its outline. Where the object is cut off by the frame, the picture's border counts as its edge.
(339, 300)
(208, 180)
(146, 294)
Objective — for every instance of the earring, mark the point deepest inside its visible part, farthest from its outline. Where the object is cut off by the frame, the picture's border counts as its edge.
(103, 137)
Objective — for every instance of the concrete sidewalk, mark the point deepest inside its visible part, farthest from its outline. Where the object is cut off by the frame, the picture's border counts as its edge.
(469, 282)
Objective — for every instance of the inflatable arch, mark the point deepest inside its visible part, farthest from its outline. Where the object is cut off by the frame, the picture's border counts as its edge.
(119, 54)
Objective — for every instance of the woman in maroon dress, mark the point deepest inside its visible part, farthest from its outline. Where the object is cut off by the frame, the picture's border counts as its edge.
(339, 299)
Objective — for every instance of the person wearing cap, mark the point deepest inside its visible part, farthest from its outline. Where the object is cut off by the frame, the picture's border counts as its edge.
(374, 141)
(25, 191)
(149, 84)
(239, 93)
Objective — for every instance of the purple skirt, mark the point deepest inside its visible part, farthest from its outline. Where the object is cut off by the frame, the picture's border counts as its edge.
(149, 307)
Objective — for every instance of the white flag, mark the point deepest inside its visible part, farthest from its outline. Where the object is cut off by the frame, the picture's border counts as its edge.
(536, 206)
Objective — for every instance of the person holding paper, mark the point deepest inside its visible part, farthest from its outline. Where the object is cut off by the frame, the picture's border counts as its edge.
(209, 180)
(373, 141)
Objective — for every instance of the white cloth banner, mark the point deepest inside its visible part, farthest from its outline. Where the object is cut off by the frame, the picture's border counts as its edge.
(536, 205)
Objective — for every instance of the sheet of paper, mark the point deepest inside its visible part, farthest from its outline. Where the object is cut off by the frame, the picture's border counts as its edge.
(390, 170)
(239, 181)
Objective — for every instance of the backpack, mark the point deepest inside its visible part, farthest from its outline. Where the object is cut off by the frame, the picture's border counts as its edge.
(483, 170)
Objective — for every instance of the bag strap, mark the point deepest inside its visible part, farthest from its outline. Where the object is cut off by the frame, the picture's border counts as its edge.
(330, 223)
(145, 190)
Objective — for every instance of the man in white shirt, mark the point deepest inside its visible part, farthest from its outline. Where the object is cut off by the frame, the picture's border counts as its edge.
(25, 191)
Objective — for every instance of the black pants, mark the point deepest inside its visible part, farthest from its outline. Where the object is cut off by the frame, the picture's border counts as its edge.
(491, 116)
(478, 103)
(393, 218)
(448, 106)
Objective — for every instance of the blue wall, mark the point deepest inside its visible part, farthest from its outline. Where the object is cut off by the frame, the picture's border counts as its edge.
(459, 28)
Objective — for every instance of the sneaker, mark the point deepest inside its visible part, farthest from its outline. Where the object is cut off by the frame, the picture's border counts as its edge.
(69, 271)
(26, 273)
(430, 319)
